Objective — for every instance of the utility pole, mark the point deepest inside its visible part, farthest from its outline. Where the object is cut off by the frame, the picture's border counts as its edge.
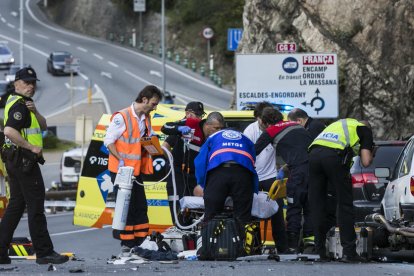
(163, 44)
(21, 33)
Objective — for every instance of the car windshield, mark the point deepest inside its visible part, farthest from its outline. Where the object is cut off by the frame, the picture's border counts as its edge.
(4, 51)
(60, 57)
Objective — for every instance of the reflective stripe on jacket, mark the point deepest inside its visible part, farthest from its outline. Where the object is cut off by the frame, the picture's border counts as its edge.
(339, 135)
(33, 134)
(129, 147)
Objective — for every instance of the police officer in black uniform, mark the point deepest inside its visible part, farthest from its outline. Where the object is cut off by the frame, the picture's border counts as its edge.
(22, 151)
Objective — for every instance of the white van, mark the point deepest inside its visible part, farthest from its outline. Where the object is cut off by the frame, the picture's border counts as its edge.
(70, 168)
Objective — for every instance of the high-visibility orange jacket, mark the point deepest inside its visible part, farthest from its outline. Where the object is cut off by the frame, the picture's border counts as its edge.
(129, 146)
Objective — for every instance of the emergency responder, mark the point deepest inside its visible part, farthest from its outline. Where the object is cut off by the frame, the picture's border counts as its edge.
(310, 124)
(330, 160)
(291, 142)
(225, 167)
(267, 172)
(314, 127)
(122, 139)
(184, 151)
(22, 151)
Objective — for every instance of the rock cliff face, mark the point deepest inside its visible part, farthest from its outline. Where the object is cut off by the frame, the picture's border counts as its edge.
(374, 41)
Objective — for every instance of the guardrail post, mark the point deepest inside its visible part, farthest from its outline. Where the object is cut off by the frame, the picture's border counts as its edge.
(219, 83)
(185, 62)
(193, 66)
(177, 58)
(121, 39)
(169, 55)
(151, 48)
(141, 45)
(111, 36)
(203, 70)
(160, 51)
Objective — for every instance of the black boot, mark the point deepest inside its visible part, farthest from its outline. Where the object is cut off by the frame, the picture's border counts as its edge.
(293, 243)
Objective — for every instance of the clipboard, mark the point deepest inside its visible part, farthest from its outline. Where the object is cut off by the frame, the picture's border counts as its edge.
(152, 145)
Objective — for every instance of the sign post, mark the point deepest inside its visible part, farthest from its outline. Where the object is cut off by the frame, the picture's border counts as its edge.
(305, 80)
(139, 6)
(208, 34)
(71, 66)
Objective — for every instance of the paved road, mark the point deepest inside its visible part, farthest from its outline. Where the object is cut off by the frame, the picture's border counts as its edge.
(93, 247)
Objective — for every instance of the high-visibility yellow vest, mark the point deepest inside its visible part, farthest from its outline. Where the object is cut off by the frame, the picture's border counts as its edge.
(339, 135)
(33, 134)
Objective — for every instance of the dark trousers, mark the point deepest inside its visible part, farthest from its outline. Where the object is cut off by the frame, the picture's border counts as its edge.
(26, 190)
(235, 181)
(297, 198)
(136, 228)
(277, 220)
(185, 184)
(326, 169)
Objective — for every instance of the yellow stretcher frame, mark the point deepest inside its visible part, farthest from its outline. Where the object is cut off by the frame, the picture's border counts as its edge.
(278, 189)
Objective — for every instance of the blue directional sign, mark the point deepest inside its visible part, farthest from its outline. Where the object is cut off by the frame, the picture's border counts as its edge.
(233, 38)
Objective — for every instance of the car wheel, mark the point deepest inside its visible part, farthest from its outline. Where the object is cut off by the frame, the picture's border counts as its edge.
(48, 68)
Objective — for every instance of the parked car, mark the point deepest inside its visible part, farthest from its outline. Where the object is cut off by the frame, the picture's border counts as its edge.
(6, 56)
(168, 98)
(5, 89)
(398, 201)
(56, 63)
(368, 190)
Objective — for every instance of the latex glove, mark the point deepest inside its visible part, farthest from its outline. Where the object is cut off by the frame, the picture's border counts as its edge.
(121, 163)
(280, 174)
(184, 129)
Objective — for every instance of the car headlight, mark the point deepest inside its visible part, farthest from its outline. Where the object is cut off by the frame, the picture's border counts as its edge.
(12, 60)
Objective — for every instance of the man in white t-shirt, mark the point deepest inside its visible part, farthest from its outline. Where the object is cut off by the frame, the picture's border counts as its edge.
(267, 172)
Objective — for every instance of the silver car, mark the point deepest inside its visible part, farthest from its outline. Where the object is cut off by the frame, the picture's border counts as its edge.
(6, 56)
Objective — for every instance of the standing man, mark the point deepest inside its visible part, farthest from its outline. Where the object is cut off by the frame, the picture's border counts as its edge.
(122, 139)
(267, 172)
(291, 142)
(225, 167)
(23, 150)
(184, 151)
(310, 124)
(314, 127)
(330, 160)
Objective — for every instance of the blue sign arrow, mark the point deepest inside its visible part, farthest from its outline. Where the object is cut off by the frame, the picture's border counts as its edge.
(233, 38)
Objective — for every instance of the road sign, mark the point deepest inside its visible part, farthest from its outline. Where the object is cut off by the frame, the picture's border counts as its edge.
(308, 81)
(233, 38)
(208, 33)
(286, 47)
(71, 65)
(139, 5)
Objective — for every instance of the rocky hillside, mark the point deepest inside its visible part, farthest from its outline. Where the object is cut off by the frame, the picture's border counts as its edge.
(374, 41)
(375, 45)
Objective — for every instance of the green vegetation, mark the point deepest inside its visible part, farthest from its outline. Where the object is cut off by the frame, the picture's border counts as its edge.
(53, 143)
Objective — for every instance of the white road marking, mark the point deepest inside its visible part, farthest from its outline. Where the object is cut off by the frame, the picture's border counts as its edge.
(106, 74)
(100, 94)
(81, 88)
(113, 64)
(78, 231)
(155, 73)
(136, 77)
(11, 25)
(42, 36)
(82, 49)
(83, 76)
(3, 20)
(98, 56)
(63, 42)
(14, 13)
